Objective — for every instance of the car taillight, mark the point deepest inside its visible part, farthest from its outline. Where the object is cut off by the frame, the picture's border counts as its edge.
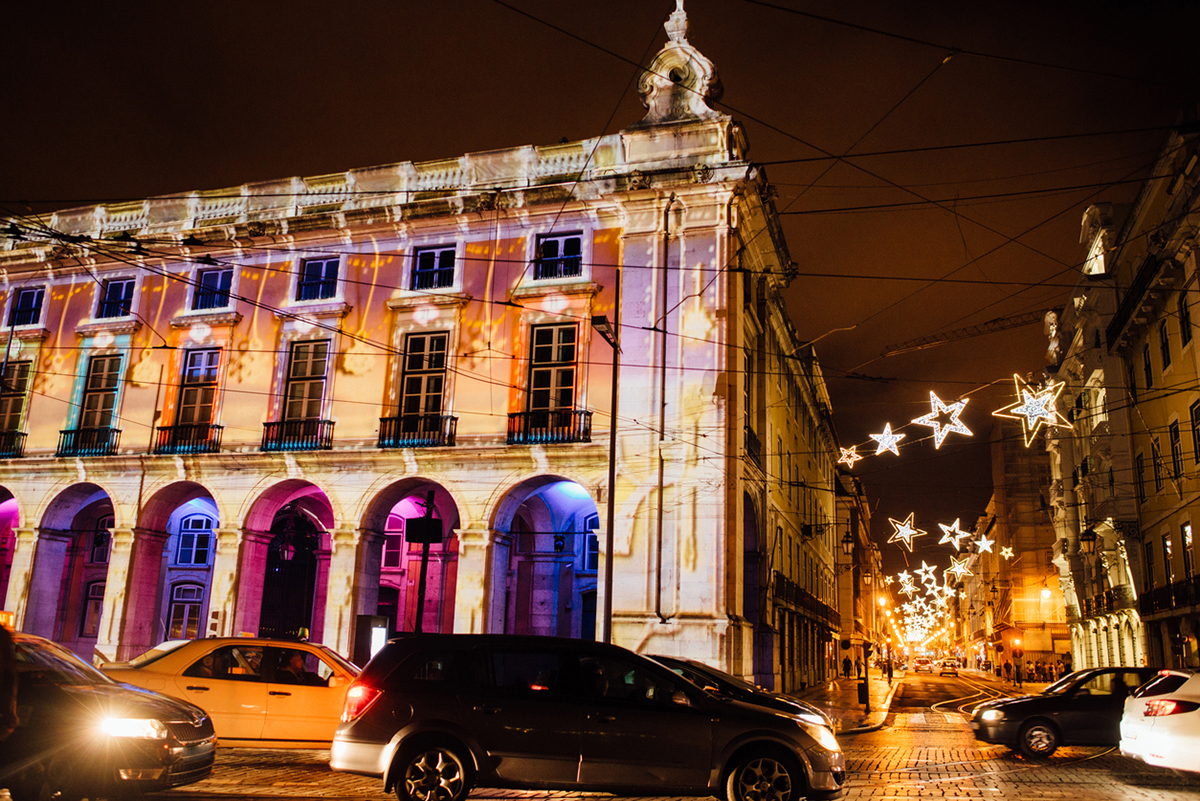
(358, 698)
(1159, 708)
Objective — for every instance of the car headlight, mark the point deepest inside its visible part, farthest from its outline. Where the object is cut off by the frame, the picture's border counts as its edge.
(138, 728)
(813, 720)
(991, 714)
(824, 737)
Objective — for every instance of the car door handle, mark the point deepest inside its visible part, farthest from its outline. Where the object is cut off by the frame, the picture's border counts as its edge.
(277, 692)
(485, 709)
(197, 688)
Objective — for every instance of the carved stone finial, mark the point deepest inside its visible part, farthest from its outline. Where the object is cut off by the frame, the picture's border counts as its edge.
(680, 81)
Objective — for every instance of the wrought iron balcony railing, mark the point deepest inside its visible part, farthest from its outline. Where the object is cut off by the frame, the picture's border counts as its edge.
(550, 426)
(188, 438)
(12, 444)
(417, 431)
(102, 441)
(298, 435)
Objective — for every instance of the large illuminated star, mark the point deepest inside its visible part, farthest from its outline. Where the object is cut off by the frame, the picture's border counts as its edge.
(984, 544)
(951, 534)
(905, 531)
(904, 577)
(1006, 552)
(849, 456)
(887, 442)
(1035, 409)
(934, 419)
(908, 590)
(959, 568)
(926, 571)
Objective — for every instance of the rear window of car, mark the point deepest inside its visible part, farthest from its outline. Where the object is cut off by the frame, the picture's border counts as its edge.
(1160, 685)
(156, 653)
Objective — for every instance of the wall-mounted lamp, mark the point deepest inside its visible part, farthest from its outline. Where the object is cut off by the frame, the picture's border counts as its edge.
(1087, 541)
(848, 544)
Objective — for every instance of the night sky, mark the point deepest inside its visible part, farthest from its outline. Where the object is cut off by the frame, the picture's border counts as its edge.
(908, 232)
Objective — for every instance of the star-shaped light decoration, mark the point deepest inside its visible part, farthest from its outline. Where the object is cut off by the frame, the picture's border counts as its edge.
(925, 571)
(951, 534)
(905, 531)
(1035, 409)
(934, 419)
(1006, 552)
(849, 456)
(908, 590)
(959, 568)
(985, 545)
(887, 442)
(904, 577)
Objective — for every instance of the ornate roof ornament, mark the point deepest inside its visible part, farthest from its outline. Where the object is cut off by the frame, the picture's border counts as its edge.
(680, 81)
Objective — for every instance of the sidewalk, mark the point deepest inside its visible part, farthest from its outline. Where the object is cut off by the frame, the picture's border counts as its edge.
(839, 698)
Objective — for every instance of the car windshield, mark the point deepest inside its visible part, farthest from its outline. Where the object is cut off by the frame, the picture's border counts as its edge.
(1062, 685)
(723, 678)
(156, 653)
(46, 663)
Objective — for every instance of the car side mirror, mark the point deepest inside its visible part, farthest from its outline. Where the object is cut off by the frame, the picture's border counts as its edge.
(681, 698)
(337, 681)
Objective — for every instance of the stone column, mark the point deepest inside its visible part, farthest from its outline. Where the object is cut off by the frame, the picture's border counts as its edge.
(128, 622)
(471, 601)
(223, 586)
(352, 586)
(35, 581)
(248, 586)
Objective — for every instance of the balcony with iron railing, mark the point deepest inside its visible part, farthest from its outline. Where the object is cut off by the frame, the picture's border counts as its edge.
(107, 309)
(209, 298)
(12, 444)
(549, 427)
(417, 431)
(298, 435)
(188, 438)
(1171, 598)
(102, 441)
(316, 289)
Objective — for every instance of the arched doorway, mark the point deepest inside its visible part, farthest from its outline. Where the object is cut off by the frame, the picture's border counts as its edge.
(290, 580)
(546, 559)
(10, 518)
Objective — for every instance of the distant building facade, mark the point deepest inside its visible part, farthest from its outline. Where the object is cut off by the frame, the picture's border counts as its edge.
(244, 410)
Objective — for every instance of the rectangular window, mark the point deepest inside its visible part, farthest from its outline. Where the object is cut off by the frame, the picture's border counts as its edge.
(1129, 379)
(195, 540)
(552, 368)
(93, 605)
(424, 374)
(1140, 476)
(185, 611)
(558, 256)
(1185, 543)
(100, 391)
(433, 268)
(318, 279)
(591, 559)
(1147, 366)
(212, 289)
(198, 386)
(1176, 451)
(305, 394)
(1164, 344)
(1185, 319)
(101, 536)
(393, 549)
(1157, 464)
(1168, 559)
(26, 307)
(1149, 565)
(13, 392)
(116, 298)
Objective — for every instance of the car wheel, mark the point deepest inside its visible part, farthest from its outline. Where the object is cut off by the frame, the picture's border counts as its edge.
(765, 777)
(1038, 739)
(432, 773)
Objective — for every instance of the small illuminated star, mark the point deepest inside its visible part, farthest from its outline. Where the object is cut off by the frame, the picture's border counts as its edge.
(849, 456)
(951, 534)
(904, 577)
(905, 531)
(1006, 552)
(887, 440)
(934, 419)
(985, 545)
(1034, 409)
(908, 590)
(959, 568)
(926, 571)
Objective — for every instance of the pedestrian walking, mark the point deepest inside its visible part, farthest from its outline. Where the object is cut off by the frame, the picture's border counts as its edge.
(858, 667)
(889, 672)
(1018, 674)
(846, 665)
(1007, 670)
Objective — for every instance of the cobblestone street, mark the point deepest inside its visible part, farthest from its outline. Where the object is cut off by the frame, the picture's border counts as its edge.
(914, 755)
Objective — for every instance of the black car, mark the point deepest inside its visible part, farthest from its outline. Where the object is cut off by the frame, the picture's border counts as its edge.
(1081, 708)
(83, 734)
(437, 714)
(721, 683)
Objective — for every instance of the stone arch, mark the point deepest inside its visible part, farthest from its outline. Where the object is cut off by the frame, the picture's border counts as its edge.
(390, 584)
(545, 559)
(10, 520)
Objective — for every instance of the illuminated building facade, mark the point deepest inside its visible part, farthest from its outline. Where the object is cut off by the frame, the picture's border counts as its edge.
(229, 411)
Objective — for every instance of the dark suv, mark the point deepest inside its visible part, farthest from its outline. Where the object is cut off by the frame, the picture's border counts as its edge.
(435, 715)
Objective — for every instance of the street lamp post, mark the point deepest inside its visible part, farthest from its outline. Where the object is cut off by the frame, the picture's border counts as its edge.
(611, 332)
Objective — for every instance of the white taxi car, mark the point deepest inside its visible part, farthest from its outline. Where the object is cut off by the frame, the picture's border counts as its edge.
(258, 692)
(1161, 721)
